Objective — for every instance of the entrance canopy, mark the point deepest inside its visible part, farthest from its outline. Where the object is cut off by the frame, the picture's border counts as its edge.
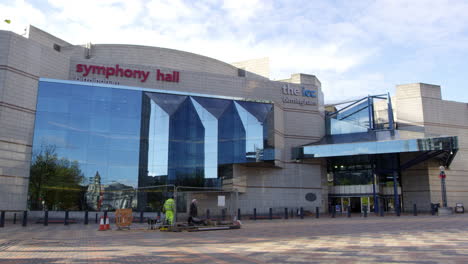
(442, 148)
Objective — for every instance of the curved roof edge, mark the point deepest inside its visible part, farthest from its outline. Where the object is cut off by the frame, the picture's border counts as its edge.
(182, 52)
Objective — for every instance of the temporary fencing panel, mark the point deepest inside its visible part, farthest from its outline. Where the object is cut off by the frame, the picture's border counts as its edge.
(214, 204)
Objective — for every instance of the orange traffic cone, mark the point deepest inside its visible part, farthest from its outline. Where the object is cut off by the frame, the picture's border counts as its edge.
(102, 226)
(107, 224)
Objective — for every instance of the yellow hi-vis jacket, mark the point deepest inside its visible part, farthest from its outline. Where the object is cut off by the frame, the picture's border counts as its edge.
(169, 205)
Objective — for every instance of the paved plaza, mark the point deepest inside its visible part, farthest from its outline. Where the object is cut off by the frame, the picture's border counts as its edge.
(405, 239)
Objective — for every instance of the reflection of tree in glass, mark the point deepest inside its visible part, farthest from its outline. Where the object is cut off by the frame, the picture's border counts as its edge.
(54, 182)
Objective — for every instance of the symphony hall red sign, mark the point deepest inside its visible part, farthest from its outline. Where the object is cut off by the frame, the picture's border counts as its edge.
(117, 71)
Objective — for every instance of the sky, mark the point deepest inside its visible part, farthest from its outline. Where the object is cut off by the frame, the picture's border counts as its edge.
(355, 48)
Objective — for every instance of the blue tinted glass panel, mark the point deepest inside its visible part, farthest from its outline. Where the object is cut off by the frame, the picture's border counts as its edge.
(210, 125)
(158, 137)
(352, 120)
(232, 137)
(94, 146)
(186, 144)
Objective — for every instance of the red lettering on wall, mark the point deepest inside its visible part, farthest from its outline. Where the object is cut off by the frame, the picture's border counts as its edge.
(167, 77)
(117, 71)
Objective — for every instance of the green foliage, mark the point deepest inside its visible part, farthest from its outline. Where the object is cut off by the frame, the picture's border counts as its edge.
(54, 180)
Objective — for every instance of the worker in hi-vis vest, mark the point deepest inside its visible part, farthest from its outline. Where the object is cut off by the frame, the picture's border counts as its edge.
(169, 210)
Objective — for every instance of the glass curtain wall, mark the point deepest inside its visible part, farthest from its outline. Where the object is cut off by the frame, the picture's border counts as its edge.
(369, 113)
(95, 147)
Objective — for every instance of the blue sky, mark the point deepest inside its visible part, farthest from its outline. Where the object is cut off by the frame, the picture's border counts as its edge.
(355, 48)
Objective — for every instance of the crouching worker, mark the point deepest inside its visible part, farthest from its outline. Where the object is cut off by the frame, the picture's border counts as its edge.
(193, 218)
(169, 210)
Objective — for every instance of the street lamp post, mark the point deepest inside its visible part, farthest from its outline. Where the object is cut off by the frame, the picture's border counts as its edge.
(442, 177)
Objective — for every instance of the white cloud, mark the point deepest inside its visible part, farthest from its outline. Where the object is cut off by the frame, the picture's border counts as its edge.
(96, 15)
(169, 10)
(240, 11)
(416, 21)
(339, 89)
(20, 14)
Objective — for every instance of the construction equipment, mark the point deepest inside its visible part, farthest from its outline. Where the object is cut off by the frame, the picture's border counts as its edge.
(211, 226)
(123, 218)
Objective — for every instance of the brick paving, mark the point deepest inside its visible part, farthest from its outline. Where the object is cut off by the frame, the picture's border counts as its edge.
(406, 239)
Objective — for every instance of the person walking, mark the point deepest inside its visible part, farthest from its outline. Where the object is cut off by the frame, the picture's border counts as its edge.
(193, 213)
(193, 218)
(169, 210)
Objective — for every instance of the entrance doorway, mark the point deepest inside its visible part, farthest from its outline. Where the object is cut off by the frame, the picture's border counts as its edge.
(355, 203)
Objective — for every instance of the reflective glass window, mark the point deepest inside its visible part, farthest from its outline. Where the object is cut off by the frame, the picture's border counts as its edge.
(94, 147)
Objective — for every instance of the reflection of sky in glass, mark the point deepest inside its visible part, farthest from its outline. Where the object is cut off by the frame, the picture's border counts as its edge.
(343, 127)
(97, 126)
(100, 128)
(253, 130)
(352, 120)
(158, 140)
(210, 123)
(361, 148)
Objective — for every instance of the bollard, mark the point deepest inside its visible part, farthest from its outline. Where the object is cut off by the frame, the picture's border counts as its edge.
(46, 218)
(292, 213)
(2, 219)
(349, 211)
(25, 218)
(271, 213)
(415, 210)
(432, 209)
(86, 217)
(255, 214)
(207, 213)
(365, 211)
(381, 211)
(238, 214)
(96, 218)
(286, 213)
(141, 217)
(317, 212)
(302, 213)
(223, 214)
(333, 213)
(398, 211)
(66, 218)
(14, 219)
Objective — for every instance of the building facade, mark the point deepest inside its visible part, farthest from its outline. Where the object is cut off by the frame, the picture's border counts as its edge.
(102, 127)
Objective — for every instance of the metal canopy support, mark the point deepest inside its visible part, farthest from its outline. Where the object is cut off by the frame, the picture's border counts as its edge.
(374, 182)
(395, 185)
(370, 113)
(391, 124)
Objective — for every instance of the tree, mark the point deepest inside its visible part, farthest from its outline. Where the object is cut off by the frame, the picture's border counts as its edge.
(54, 181)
